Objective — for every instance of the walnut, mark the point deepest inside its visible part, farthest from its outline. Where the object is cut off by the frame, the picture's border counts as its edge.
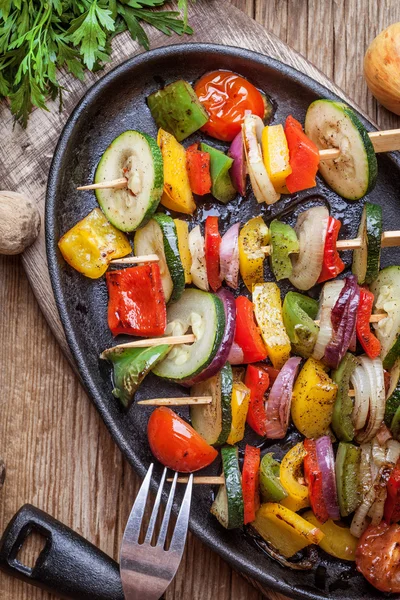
(19, 222)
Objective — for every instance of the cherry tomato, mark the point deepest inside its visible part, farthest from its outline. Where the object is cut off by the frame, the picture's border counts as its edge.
(227, 97)
(250, 483)
(378, 557)
(176, 444)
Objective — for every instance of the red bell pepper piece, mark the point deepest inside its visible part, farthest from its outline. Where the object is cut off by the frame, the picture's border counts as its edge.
(136, 304)
(212, 245)
(257, 380)
(247, 335)
(367, 339)
(198, 168)
(303, 157)
(332, 264)
(250, 483)
(313, 477)
(391, 511)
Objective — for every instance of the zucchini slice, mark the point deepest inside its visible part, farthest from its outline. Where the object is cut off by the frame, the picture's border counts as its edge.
(136, 156)
(386, 289)
(159, 237)
(213, 421)
(393, 396)
(366, 260)
(228, 505)
(204, 315)
(331, 124)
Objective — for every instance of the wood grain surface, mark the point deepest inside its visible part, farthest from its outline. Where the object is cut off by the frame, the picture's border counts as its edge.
(59, 455)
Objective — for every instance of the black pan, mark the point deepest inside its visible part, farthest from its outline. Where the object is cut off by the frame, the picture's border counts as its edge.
(118, 102)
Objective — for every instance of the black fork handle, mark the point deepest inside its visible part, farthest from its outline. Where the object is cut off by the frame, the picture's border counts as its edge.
(68, 566)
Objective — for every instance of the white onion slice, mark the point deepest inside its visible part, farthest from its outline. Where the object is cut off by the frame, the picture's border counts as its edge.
(198, 269)
(262, 186)
(329, 296)
(311, 230)
(360, 383)
(392, 451)
(229, 256)
(374, 371)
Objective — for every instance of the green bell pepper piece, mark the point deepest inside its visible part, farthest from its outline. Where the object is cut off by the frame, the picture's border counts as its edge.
(347, 468)
(131, 365)
(284, 242)
(298, 313)
(342, 424)
(177, 109)
(271, 488)
(221, 184)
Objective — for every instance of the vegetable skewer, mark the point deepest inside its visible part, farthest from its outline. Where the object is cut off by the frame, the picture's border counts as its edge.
(383, 141)
(184, 401)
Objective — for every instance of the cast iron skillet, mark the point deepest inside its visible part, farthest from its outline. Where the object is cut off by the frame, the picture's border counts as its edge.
(114, 104)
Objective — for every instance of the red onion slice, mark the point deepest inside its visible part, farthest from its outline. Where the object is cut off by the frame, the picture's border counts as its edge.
(229, 256)
(277, 407)
(343, 319)
(326, 462)
(238, 168)
(236, 356)
(224, 349)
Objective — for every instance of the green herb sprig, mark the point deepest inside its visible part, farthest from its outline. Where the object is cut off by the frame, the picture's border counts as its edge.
(37, 37)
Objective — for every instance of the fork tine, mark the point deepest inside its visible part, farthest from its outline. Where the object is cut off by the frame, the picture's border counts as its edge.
(181, 527)
(133, 527)
(165, 522)
(153, 518)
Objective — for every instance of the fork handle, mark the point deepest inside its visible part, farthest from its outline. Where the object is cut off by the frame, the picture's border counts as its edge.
(68, 566)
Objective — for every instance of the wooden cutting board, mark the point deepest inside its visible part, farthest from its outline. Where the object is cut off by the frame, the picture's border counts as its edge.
(25, 156)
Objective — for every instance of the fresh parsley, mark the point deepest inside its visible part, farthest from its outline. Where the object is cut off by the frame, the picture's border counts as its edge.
(37, 37)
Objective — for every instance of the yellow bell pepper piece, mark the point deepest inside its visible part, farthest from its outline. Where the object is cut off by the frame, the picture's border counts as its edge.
(291, 476)
(177, 194)
(182, 231)
(337, 540)
(286, 531)
(240, 406)
(268, 312)
(314, 395)
(252, 237)
(276, 155)
(90, 245)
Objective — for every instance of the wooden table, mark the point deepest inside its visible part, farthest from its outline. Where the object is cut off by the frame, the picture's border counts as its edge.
(58, 452)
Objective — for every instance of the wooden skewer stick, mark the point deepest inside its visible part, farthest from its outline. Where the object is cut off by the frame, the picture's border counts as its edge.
(189, 338)
(116, 184)
(382, 141)
(186, 400)
(133, 260)
(373, 318)
(389, 239)
(216, 480)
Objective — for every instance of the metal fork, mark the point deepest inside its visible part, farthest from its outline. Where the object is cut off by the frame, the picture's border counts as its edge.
(146, 569)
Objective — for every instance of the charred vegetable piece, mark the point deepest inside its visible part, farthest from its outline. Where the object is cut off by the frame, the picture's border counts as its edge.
(136, 304)
(342, 424)
(177, 194)
(253, 235)
(276, 156)
(268, 313)
(367, 339)
(271, 487)
(392, 504)
(347, 468)
(222, 188)
(332, 264)
(286, 531)
(250, 483)
(393, 401)
(228, 505)
(337, 540)
(284, 242)
(257, 380)
(247, 335)
(303, 157)
(131, 365)
(386, 290)
(182, 231)
(92, 243)
(299, 313)
(136, 156)
(366, 260)
(292, 478)
(314, 395)
(213, 421)
(177, 109)
(314, 478)
(240, 406)
(198, 168)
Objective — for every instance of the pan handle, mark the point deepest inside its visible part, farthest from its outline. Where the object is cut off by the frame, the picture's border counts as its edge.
(68, 566)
